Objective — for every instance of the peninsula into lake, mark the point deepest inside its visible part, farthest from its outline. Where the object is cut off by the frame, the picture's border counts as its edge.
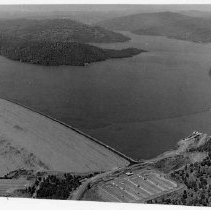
(56, 42)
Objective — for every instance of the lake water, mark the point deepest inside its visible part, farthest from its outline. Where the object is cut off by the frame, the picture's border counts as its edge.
(141, 105)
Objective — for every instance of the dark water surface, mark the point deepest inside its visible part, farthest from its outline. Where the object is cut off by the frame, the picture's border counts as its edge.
(142, 105)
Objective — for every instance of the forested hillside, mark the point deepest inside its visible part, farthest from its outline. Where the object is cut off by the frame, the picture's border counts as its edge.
(59, 53)
(57, 42)
(54, 30)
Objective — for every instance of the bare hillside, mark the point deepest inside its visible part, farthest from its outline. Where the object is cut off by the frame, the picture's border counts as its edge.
(31, 141)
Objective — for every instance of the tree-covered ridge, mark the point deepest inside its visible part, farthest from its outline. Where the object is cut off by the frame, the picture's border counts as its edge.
(58, 42)
(196, 179)
(59, 53)
(58, 30)
(192, 169)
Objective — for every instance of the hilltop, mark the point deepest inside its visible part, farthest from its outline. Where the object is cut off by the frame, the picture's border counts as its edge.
(169, 24)
(58, 42)
(58, 30)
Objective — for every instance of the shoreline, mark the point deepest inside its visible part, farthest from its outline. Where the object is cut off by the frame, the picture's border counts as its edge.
(166, 154)
(129, 159)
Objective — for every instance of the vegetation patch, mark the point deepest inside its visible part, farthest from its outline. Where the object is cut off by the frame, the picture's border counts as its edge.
(58, 42)
(59, 53)
(196, 178)
(171, 163)
(56, 186)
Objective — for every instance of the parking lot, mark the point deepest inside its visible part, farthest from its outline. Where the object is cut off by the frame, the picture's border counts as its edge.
(138, 186)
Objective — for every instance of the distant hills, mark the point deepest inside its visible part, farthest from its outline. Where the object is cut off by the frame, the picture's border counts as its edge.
(197, 13)
(169, 24)
(58, 30)
(58, 42)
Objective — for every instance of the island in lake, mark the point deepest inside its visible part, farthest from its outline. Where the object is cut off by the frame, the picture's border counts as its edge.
(56, 42)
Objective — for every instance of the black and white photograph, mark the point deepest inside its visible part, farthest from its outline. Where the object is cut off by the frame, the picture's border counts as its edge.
(106, 103)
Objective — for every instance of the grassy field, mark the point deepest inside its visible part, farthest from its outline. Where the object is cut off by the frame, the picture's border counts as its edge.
(32, 141)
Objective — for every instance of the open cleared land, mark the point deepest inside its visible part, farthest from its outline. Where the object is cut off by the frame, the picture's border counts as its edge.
(180, 177)
(31, 141)
(8, 186)
(139, 186)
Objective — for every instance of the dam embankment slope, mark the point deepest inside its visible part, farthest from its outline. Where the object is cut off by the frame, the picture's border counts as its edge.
(31, 140)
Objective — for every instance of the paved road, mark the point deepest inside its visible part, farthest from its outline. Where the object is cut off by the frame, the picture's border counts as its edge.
(84, 186)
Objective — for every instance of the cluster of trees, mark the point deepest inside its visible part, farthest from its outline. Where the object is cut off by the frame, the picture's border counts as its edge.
(50, 53)
(56, 187)
(58, 30)
(53, 187)
(58, 53)
(58, 42)
(195, 177)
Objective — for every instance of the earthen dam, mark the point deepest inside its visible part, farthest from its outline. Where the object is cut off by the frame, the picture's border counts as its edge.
(31, 140)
